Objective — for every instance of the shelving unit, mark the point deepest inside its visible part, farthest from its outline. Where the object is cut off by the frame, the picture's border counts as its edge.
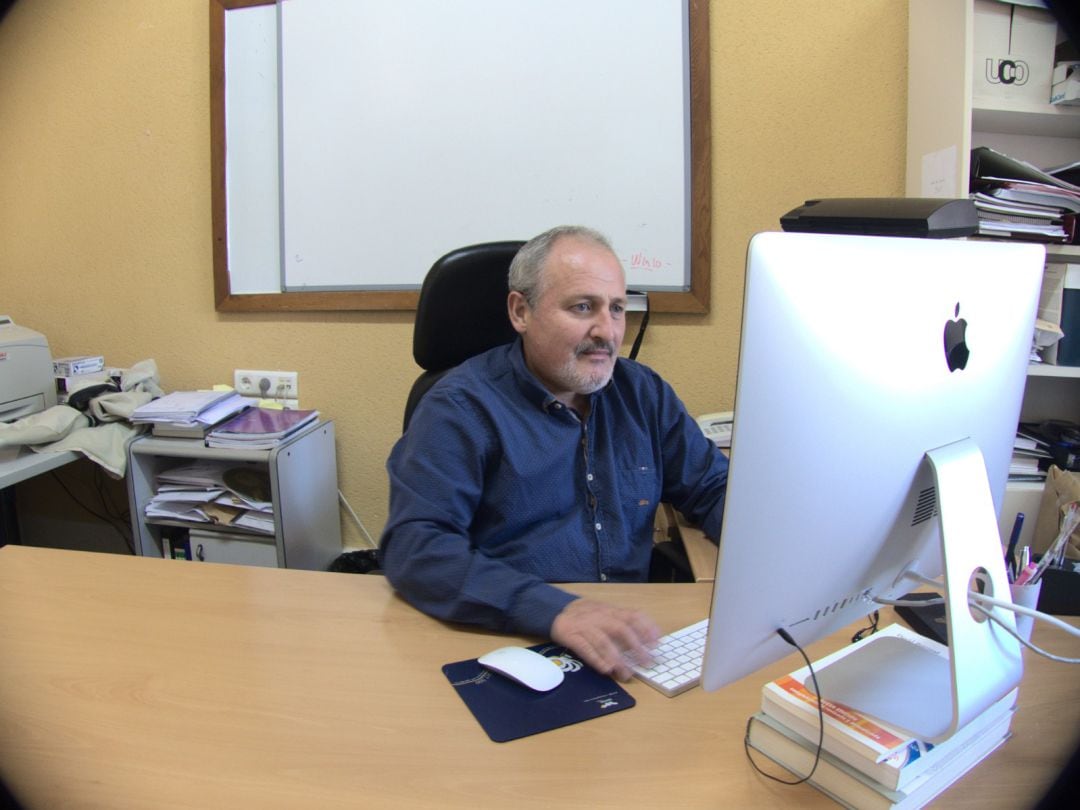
(303, 488)
(944, 123)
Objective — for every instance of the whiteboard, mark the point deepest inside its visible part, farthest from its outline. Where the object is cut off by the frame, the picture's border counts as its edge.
(251, 119)
(415, 127)
(404, 129)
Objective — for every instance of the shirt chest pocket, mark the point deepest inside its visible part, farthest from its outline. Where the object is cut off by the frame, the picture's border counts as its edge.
(639, 494)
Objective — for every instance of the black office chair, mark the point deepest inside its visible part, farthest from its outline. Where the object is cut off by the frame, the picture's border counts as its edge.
(461, 313)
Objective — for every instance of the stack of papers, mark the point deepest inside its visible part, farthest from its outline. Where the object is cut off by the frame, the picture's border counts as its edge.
(191, 409)
(1016, 200)
(1031, 455)
(260, 428)
(205, 492)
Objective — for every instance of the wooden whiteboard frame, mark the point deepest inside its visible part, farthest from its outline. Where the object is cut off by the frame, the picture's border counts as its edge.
(694, 300)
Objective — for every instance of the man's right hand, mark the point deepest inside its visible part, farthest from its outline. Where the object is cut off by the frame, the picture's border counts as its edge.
(605, 635)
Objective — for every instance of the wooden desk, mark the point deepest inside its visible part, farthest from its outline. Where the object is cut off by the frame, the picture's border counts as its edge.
(136, 682)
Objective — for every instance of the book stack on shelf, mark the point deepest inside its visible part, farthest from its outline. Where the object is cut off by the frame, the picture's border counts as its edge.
(189, 414)
(260, 428)
(1016, 200)
(864, 762)
(213, 493)
(1031, 455)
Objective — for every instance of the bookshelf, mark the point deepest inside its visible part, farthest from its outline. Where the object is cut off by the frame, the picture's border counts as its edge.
(945, 122)
(303, 485)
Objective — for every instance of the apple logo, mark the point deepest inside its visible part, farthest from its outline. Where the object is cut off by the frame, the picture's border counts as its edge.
(956, 348)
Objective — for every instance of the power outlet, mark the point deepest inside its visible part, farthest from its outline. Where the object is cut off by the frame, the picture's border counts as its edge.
(267, 384)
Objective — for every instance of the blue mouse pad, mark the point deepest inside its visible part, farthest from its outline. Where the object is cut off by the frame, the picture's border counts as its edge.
(507, 710)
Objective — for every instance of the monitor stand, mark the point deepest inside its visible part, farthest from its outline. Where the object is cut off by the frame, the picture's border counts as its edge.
(911, 686)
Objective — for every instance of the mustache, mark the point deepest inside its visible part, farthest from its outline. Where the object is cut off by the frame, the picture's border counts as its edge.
(593, 346)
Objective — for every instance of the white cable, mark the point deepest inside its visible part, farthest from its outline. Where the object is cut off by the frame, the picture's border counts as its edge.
(974, 596)
(997, 620)
(356, 519)
(912, 574)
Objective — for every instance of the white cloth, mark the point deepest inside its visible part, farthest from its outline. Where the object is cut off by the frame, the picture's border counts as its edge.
(60, 428)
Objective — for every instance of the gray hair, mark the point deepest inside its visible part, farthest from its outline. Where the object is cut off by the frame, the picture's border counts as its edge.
(526, 270)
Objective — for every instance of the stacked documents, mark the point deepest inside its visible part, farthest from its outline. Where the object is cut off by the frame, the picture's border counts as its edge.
(1016, 200)
(212, 493)
(189, 413)
(260, 428)
(1031, 455)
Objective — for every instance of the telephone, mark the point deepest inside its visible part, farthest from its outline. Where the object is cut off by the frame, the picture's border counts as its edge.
(717, 426)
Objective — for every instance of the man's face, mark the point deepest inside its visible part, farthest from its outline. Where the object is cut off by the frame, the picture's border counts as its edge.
(572, 336)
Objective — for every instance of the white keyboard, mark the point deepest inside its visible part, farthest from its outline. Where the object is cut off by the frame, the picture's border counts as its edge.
(677, 658)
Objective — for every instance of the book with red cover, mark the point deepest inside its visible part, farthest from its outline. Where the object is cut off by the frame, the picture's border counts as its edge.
(260, 426)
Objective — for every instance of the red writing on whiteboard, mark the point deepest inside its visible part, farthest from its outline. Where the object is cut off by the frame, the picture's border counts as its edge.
(645, 262)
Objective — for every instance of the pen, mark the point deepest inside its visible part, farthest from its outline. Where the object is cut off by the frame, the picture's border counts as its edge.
(1010, 552)
(1026, 575)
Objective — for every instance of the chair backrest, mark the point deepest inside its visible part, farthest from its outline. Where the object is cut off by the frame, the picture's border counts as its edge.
(461, 312)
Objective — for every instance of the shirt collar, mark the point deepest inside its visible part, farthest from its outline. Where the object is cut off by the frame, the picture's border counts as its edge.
(534, 390)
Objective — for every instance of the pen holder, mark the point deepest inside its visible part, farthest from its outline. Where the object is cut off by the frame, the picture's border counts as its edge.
(1025, 596)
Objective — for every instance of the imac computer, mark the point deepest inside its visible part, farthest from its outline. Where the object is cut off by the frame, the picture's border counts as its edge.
(879, 387)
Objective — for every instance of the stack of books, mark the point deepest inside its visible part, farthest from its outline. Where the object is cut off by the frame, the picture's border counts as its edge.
(260, 428)
(213, 493)
(189, 414)
(864, 762)
(1031, 457)
(1016, 200)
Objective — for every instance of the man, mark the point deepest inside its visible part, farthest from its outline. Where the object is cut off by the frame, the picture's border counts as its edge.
(544, 461)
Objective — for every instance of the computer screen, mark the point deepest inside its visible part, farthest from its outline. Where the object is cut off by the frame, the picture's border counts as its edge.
(879, 387)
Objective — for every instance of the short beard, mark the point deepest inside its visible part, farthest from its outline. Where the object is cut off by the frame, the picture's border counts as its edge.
(586, 383)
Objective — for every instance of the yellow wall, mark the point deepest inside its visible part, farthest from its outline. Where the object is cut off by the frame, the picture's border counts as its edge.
(105, 241)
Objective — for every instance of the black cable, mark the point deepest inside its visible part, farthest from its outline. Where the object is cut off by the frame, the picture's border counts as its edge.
(121, 513)
(129, 542)
(641, 332)
(786, 636)
(868, 630)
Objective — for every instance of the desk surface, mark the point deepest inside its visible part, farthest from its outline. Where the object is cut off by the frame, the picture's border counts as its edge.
(28, 464)
(133, 682)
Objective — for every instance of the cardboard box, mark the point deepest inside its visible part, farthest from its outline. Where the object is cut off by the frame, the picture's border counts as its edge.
(1013, 51)
(70, 384)
(1062, 71)
(84, 364)
(1066, 86)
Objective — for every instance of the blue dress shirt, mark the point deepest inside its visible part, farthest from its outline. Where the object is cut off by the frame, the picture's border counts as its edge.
(497, 489)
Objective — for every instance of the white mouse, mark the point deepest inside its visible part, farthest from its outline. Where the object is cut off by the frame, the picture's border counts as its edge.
(527, 667)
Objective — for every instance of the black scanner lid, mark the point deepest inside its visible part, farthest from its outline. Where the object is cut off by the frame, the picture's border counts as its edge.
(927, 217)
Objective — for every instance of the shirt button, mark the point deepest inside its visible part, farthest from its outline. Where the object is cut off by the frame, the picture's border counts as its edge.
(603, 577)
(588, 477)
(598, 527)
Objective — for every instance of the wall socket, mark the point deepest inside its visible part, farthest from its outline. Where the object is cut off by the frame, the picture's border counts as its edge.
(267, 384)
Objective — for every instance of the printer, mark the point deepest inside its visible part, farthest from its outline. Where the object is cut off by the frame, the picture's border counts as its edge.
(27, 384)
